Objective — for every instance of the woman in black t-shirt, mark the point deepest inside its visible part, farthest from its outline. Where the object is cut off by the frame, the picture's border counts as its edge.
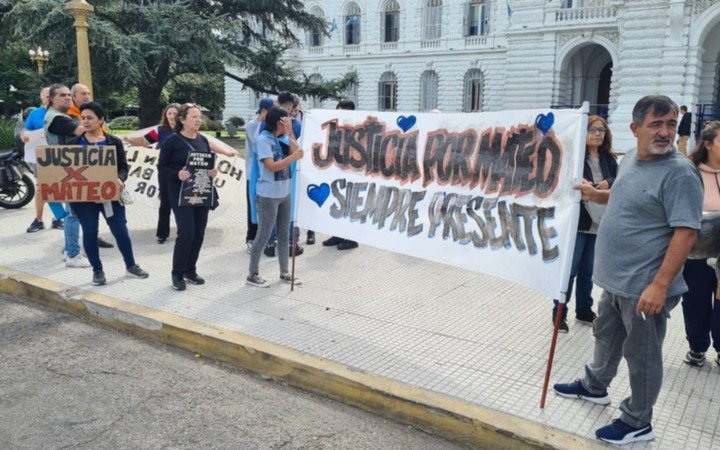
(191, 220)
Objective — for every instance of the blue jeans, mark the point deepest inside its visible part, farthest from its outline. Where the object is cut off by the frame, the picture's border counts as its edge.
(582, 269)
(72, 233)
(88, 214)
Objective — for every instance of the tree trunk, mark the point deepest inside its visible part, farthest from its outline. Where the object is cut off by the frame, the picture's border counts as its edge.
(150, 105)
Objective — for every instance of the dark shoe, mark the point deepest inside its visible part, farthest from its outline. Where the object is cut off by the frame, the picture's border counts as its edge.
(310, 238)
(269, 251)
(347, 245)
(696, 359)
(576, 390)
(194, 278)
(58, 224)
(137, 272)
(104, 244)
(587, 317)
(178, 283)
(256, 280)
(286, 278)
(99, 278)
(161, 240)
(620, 433)
(717, 359)
(564, 328)
(36, 225)
(333, 241)
(298, 250)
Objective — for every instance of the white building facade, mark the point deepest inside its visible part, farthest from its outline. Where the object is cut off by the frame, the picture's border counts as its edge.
(488, 55)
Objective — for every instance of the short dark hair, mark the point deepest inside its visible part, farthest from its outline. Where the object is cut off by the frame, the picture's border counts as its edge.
(273, 117)
(182, 114)
(659, 105)
(53, 90)
(345, 104)
(94, 107)
(683, 108)
(285, 97)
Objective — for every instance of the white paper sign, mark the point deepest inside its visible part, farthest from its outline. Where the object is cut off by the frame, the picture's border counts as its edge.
(490, 192)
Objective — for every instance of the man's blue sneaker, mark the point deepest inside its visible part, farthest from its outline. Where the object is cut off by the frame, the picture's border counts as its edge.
(36, 225)
(576, 390)
(620, 433)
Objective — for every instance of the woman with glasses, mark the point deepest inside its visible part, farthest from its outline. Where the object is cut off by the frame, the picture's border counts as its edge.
(191, 220)
(600, 169)
(701, 310)
(92, 116)
(159, 134)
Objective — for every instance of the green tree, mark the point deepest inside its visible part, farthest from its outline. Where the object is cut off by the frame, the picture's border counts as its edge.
(19, 82)
(150, 44)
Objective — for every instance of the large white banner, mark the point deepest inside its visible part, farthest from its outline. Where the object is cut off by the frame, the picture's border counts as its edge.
(143, 177)
(490, 192)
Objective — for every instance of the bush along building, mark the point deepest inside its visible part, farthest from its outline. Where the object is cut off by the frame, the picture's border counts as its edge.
(488, 55)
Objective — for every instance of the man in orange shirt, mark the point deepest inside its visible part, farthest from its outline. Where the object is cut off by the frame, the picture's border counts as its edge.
(80, 95)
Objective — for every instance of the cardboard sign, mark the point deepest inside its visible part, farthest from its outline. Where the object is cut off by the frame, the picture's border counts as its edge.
(197, 190)
(77, 173)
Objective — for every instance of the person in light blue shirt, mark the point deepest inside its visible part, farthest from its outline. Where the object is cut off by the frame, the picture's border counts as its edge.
(272, 192)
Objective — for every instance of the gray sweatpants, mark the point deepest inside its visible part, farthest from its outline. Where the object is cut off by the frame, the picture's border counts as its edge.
(619, 331)
(271, 212)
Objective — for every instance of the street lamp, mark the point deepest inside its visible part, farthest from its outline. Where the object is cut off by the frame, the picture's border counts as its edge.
(40, 57)
(81, 10)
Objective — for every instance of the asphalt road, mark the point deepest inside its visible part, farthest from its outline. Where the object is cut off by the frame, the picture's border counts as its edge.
(70, 384)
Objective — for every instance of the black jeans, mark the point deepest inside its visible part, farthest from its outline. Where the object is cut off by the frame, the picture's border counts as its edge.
(191, 222)
(701, 310)
(163, 225)
(251, 227)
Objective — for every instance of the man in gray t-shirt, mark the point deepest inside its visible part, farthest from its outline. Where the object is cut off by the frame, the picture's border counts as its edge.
(648, 230)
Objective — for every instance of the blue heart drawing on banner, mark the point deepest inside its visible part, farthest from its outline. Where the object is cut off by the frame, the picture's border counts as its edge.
(405, 123)
(545, 121)
(318, 194)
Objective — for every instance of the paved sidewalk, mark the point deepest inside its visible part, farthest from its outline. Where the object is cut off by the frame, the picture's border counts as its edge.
(463, 335)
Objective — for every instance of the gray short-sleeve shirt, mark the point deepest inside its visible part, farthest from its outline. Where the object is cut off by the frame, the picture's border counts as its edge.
(648, 199)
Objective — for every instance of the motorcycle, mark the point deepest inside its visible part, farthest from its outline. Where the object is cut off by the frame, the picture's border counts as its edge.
(17, 187)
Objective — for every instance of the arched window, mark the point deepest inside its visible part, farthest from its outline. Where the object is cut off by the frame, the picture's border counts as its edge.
(315, 101)
(315, 38)
(432, 20)
(473, 92)
(387, 92)
(428, 90)
(390, 25)
(476, 18)
(352, 24)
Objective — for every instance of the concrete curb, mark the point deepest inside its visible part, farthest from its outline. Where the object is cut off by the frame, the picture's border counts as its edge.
(454, 419)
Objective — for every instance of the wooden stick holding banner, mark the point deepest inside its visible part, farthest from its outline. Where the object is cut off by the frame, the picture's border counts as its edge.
(77, 173)
(565, 271)
(197, 190)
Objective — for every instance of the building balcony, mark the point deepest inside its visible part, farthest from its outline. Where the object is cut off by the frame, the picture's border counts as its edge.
(430, 43)
(476, 41)
(388, 46)
(315, 50)
(351, 48)
(589, 14)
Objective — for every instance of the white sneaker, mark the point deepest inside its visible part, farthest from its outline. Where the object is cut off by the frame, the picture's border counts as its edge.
(78, 261)
(64, 255)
